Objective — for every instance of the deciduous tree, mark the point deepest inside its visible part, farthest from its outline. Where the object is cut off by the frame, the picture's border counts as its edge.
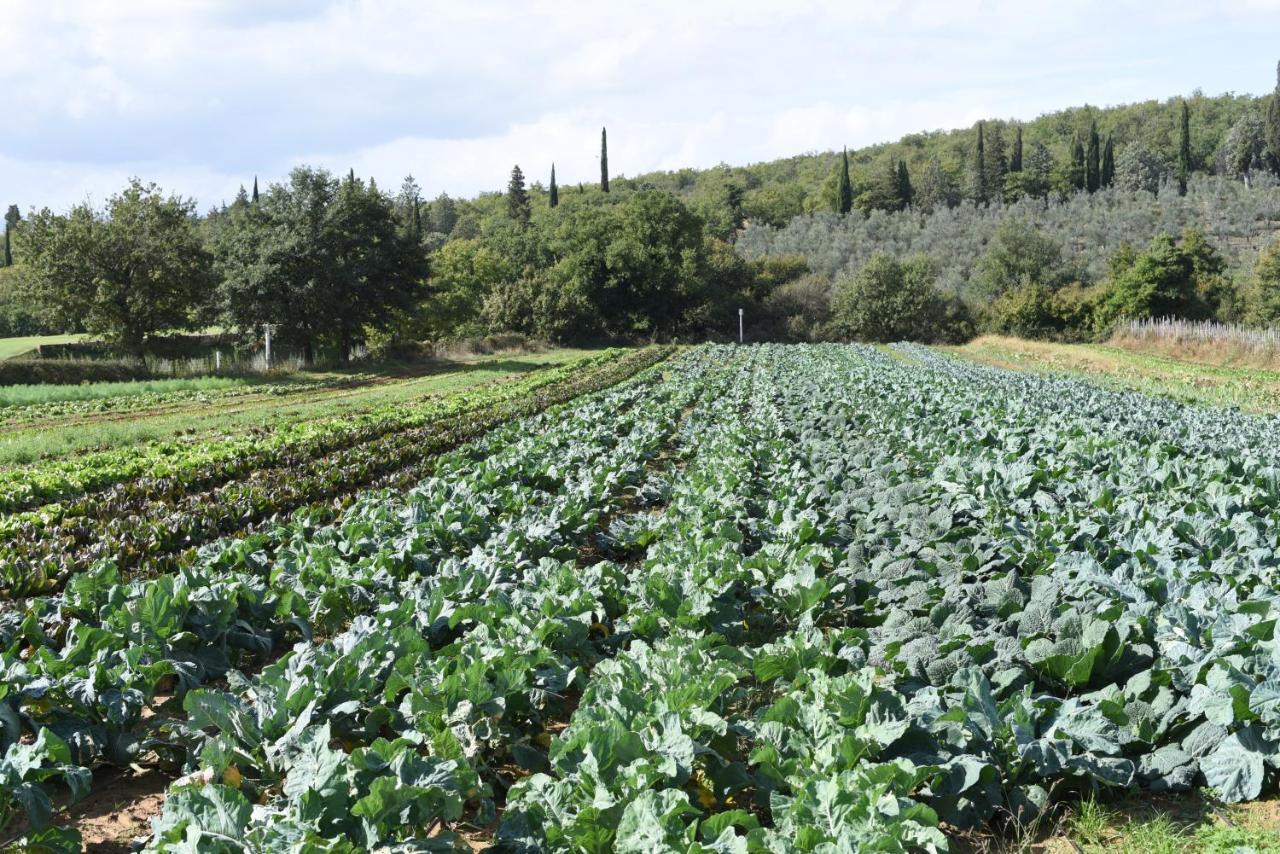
(889, 300)
(126, 272)
(1272, 133)
(322, 259)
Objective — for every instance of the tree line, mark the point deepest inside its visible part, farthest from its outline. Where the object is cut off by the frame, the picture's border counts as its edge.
(1140, 146)
(334, 263)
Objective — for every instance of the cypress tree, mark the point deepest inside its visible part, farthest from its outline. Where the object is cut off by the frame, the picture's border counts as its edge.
(1271, 132)
(1077, 165)
(11, 219)
(411, 193)
(554, 193)
(1015, 161)
(844, 187)
(443, 214)
(255, 189)
(604, 160)
(997, 162)
(979, 179)
(1108, 175)
(517, 196)
(1093, 161)
(905, 191)
(1184, 149)
(351, 176)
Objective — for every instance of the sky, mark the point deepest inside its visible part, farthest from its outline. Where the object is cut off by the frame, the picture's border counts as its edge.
(201, 96)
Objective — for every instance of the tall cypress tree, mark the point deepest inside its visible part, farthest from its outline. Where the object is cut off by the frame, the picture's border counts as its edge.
(553, 196)
(1093, 161)
(1271, 132)
(604, 160)
(1077, 165)
(1015, 161)
(517, 196)
(979, 177)
(409, 205)
(905, 191)
(997, 162)
(1184, 149)
(844, 187)
(1108, 176)
(255, 189)
(11, 219)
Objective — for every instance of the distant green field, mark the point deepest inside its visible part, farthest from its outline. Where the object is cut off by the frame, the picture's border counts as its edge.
(67, 433)
(11, 347)
(1251, 389)
(28, 395)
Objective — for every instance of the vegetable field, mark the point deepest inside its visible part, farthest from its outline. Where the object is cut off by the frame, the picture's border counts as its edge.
(810, 598)
(146, 508)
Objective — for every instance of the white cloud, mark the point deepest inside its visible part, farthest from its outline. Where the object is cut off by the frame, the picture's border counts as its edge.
(203, 94)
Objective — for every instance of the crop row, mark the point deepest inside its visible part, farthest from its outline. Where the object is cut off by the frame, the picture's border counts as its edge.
(84, 666)
(166, 469)
(129, 401)
(660, 725)
(138, 530)
(973, 651)
(809, 598)
(881, 596)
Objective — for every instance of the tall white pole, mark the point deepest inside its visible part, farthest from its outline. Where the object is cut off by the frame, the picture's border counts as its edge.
(267, 327)
(739, 326)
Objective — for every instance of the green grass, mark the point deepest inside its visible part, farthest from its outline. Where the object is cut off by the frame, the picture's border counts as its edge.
(32, 442)
(1104, 830)
(13, 347)
(26, 395)
(1187, 823)
(1091, 825)
(1248, 388)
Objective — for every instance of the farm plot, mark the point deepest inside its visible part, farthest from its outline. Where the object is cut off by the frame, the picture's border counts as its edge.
(146, 509)
(756, 599)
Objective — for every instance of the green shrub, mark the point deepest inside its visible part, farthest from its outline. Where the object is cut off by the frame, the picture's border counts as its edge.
(1036, 311)
(799, 310)
(1026, 311)
(892, 300)
(1019, 254)
(1075, 308)
(1263, 300)
(67, 372)
(1171, 278)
